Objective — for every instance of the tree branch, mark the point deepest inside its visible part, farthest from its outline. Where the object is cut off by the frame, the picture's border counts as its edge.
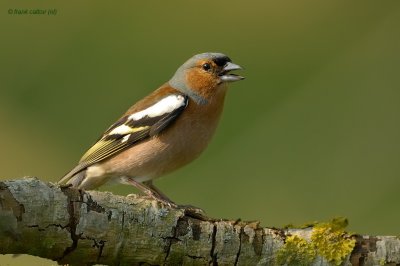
(87, 227)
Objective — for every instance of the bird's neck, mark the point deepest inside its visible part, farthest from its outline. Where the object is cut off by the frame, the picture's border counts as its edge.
(200, 98)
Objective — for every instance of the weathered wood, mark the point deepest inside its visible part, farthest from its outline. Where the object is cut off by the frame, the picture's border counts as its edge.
(88, 227)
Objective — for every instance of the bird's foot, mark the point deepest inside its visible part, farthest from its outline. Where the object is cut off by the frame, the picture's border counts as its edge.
(133, 195)
(169, 203)
(163, 201)
(189, 210)
(194, 212)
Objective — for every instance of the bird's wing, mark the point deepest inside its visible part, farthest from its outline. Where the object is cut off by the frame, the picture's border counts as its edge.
(131, 129)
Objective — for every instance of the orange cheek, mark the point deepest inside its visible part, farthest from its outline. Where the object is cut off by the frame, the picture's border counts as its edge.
(202, 83)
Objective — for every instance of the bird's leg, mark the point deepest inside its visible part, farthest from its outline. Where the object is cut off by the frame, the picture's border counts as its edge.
(150, 191)
(138, 185)
(159, 194)
(154, 193)
(189, 209)
(151, 186)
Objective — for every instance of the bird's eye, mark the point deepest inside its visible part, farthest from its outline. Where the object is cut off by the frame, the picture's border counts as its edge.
(206, 66)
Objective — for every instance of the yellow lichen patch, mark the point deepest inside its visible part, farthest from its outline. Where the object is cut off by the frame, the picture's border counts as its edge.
(327, 240)
(331, 241)
(296, 251)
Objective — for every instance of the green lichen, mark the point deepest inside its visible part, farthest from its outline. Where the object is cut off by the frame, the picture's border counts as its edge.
(328, 240)
(296, 251)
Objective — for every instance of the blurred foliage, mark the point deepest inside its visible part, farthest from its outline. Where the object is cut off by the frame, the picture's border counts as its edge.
(312, 133)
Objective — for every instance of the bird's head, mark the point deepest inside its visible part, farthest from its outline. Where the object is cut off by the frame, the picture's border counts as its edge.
(200, 77)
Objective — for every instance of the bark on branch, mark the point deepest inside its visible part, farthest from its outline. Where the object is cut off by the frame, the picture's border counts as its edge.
(88, 227)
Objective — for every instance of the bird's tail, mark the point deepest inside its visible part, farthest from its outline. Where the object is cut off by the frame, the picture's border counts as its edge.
(74, 177)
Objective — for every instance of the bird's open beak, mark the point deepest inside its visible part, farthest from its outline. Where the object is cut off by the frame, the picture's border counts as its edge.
(225, 76)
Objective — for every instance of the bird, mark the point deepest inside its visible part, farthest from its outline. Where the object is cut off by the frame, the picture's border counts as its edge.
(162, 132)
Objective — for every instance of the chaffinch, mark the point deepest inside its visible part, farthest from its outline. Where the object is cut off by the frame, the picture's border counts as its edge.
(162, 132)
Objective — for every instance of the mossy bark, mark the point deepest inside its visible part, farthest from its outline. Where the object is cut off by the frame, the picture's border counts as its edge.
(88, 227)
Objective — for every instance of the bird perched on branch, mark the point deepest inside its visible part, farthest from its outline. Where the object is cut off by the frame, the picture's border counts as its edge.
(162, 132)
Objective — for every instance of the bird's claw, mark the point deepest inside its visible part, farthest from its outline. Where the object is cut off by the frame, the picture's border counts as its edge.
(161, 200)
(194, 212)
(189, 210)
(168, 203)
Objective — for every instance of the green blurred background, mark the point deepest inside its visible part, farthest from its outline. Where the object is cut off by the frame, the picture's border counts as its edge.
(312, 133)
